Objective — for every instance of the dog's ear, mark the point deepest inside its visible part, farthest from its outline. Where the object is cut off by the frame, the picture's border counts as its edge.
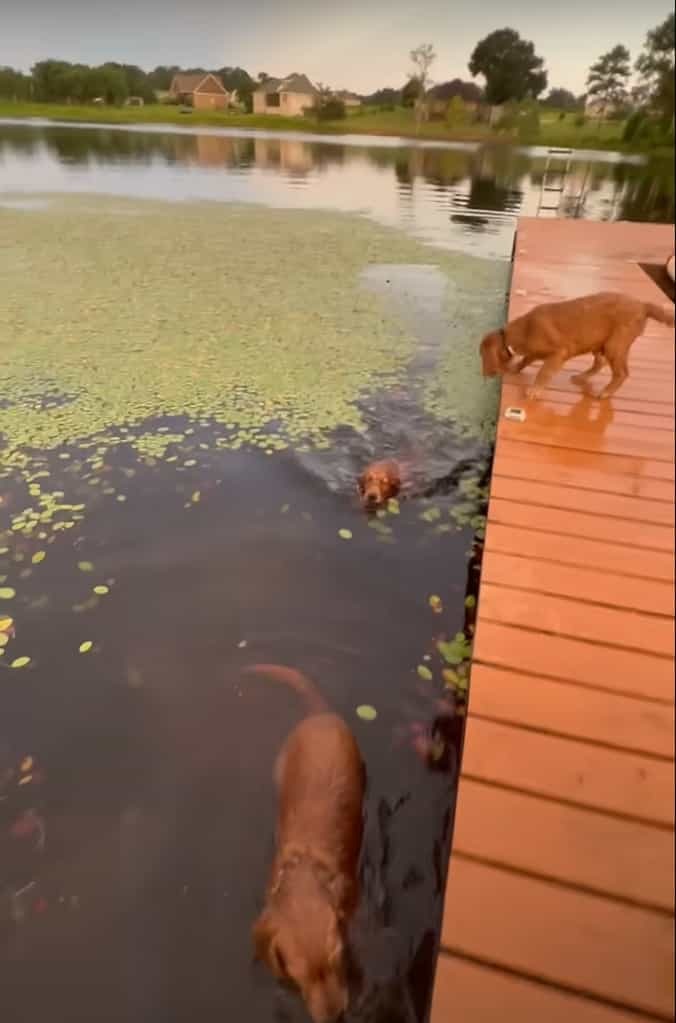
(492, 354)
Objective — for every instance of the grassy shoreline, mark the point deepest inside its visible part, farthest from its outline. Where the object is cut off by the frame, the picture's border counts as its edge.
(555, 131)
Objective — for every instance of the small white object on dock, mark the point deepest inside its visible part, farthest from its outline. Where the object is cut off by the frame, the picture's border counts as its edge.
(517, 415)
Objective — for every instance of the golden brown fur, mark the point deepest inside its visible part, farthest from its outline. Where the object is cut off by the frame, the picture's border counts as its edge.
(605, 324)
(379, 482)
(313, 887)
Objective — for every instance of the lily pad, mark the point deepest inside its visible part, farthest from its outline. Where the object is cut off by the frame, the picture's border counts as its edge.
(366, 712)
(38, 557)
(85, 647)
(100, 591)
(424, 673)
(455, 652)
(345, 534)
(85, 566)
(20, 662)
(450, 677)
(7, 593)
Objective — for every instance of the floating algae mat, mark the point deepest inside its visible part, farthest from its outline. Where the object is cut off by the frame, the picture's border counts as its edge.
(115, 316)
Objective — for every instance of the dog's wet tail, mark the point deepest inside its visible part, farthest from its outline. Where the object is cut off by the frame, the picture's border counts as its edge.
(659, 313)
(307, 690)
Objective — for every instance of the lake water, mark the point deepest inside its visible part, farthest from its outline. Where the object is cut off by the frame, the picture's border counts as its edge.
(188, 393)
(464, 196)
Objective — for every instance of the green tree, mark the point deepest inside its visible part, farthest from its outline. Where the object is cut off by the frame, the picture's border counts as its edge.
(236, 79)
(160, 77)
(656, 67)
(510, 65)
(51, 80)
(14, 84)
(410, 92)
(608, 77)
(561, 99)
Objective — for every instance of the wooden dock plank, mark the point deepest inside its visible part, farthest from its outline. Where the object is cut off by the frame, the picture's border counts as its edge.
(533, 468)
(566, 844)
(634, 469)
(649, 394)
(620, 783)
(573, 660)
(557, 520)
(582, 942)
(563, 617)
(572, 550)
(513, 391)
(590, 435)
(467, 992)
(565, 405)
(543, 576)
(552, 495)
(547, 705)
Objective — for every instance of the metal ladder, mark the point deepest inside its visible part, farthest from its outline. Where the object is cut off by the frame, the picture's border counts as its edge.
(557, 167)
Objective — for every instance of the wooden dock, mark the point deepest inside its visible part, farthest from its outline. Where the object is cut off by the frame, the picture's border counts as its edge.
(560, 898)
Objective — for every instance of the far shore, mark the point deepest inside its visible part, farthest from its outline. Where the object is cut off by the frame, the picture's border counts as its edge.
(398, 123)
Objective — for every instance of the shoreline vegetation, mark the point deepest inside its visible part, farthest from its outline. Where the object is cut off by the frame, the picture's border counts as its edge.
(556, 128)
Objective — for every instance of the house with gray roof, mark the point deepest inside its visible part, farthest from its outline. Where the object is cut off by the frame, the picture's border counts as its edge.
(287, 97)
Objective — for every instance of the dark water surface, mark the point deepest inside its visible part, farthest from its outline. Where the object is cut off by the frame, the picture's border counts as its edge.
(136, 797)
(156, 759)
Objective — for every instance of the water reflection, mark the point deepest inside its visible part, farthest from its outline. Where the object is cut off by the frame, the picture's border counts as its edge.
(461, 197)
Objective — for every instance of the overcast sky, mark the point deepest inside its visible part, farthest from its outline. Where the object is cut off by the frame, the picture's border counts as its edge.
(356, 44)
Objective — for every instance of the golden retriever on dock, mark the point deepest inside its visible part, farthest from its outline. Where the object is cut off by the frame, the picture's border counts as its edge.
(605, 324)
(313, 888)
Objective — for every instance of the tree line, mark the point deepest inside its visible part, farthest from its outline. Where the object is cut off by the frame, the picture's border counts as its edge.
(59, 81)
(513, 72)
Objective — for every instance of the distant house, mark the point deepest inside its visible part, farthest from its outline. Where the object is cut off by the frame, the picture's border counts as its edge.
(288, 97)
(203, 92)
(350, 100)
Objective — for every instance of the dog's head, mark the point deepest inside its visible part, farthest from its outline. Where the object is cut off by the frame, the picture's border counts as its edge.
(378, 483)
(495, 356)
(305, 948)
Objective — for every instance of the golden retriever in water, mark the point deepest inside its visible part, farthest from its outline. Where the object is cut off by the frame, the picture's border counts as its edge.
(313, 888)
(378, 483)
(606, 325)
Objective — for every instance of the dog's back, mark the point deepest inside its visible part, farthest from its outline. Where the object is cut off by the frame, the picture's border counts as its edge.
(320, 778)
(586, 323)
(313, 887)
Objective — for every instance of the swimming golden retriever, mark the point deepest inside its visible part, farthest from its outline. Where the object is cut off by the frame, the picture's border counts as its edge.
(313, 888)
